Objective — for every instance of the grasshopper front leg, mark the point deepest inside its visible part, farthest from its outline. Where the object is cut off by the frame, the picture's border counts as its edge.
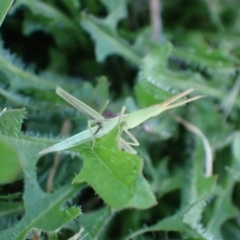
(99, 124)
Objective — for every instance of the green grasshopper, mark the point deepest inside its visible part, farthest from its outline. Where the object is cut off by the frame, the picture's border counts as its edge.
(104, 126)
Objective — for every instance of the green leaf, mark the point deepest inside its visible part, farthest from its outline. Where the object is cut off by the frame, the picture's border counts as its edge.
(19, 77)
(10, 125)
(118, 170)
(156, 72)
(9, 212)
(107, 41)
(211, 60)
(197, 192)
(45, 38)
(172, 223)
(185, 220)
(200, 54)
(39, 207)
(95, 222)
(192, 217)
(149, 94)
(49, 18)
(11, 121)
(117, 11)
(4, 7)
(223, 209)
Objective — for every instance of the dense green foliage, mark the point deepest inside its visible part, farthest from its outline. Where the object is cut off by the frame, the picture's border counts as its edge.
(183, 183)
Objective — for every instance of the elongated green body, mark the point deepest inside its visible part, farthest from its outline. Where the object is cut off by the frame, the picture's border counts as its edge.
(79, 138)
(104, 126)
(134, 119)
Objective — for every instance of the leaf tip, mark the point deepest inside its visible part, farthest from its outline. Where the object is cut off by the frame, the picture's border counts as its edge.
(45, 151)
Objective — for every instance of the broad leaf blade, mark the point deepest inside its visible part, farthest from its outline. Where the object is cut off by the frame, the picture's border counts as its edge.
(117, 11)
(107, 40)
(39, 206)
(115, 176)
